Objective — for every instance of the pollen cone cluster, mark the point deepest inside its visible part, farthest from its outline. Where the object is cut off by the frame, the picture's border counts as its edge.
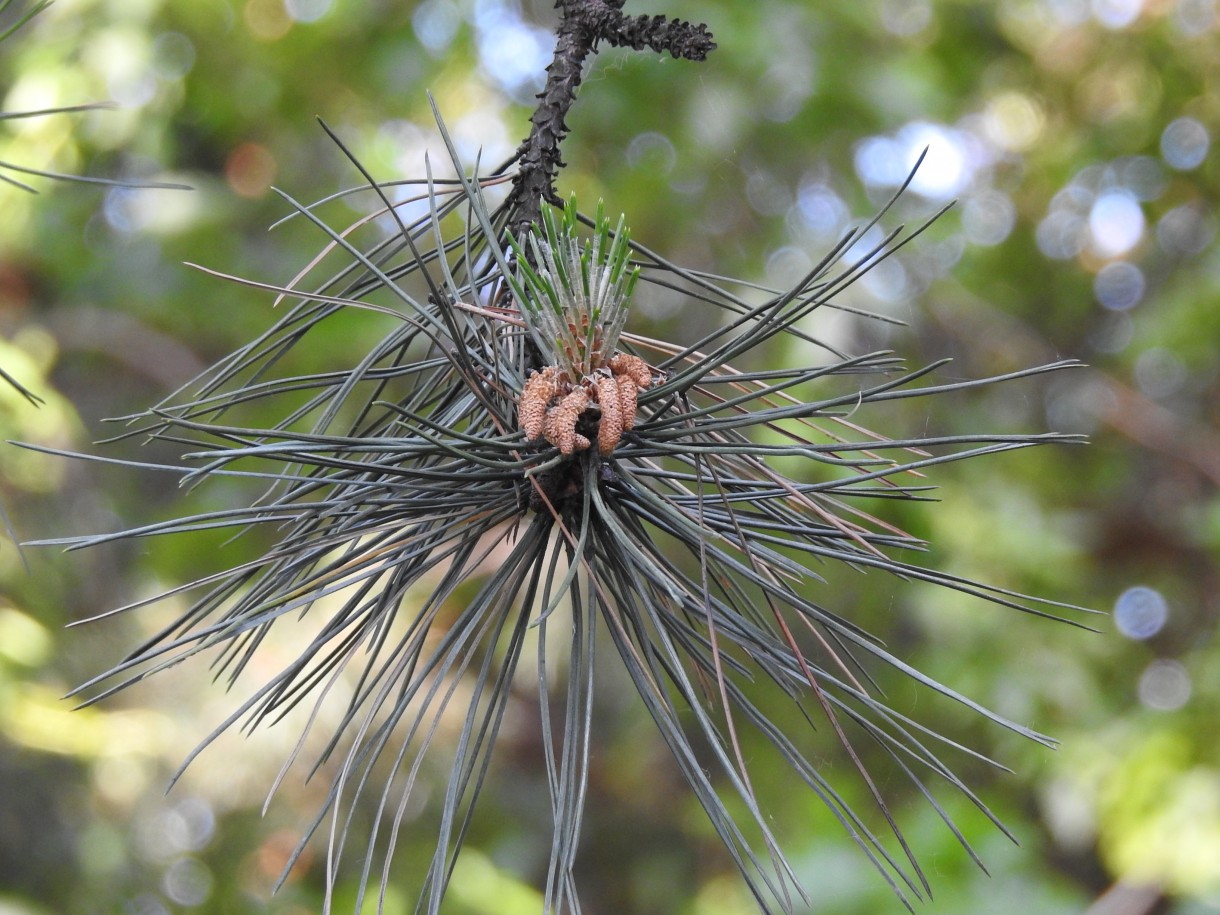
(553, 405)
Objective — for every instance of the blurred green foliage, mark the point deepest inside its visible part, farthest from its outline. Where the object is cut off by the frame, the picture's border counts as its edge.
(1076, 137)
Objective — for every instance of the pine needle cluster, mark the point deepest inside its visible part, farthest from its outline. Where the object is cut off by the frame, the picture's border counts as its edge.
(439, 552)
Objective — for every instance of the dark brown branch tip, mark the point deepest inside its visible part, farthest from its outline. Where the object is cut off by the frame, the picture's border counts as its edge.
(684, 40)
(583, 25)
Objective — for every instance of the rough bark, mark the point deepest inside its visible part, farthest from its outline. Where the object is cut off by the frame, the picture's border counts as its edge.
(583, 25)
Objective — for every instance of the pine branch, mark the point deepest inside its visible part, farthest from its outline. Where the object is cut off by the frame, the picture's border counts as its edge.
(435, 502)
(583, 24)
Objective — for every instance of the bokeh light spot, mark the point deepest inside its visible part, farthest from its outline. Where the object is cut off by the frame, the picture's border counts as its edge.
(652, 150)
(878, 162)
(513, 53)
(123, 57)
(865, 246)
(1116, 222)
(1140, 612)
(1061, 235)
(1164, 686)
(1013, 121)
(1185, 230)
(1184, 144)
(786, 265)
(307, 10)
(482, 132)
(951, 159)
(787, 85)
(989, 217)
(145, 904)
(436, 23)
(1159, 373)
(1068, 13)
(1196, 17)
(250, 169)
(887, 281)
(267, 20)
(1143, 176)
(188, 882)
(946, 169)
(766, 194)
(1119, 286)
(905, 18)
(1113, 333)
(173, 55)
(1117, 14)
(820, 208)
(189, 825)
(119, 209)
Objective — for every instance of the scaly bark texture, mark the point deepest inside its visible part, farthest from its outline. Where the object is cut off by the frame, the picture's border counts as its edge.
(583, 25)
